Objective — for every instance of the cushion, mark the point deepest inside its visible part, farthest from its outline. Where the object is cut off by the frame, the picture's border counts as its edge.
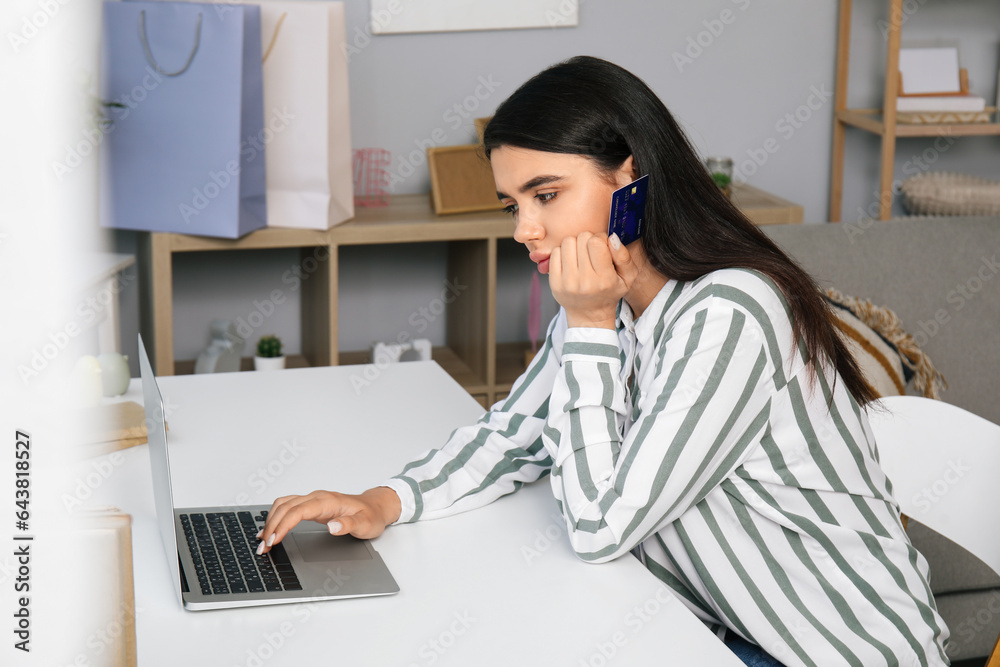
(966, 590)
(973, 621)
(888, 356)
(953, 568)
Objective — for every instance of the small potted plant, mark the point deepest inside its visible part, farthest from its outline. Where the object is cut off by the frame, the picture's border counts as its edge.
(724, 181)
(269, 356)
(721, 169)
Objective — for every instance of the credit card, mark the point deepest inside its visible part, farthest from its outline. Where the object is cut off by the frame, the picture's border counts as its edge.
(628, 210)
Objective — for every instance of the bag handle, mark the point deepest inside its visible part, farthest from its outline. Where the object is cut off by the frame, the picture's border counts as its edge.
(274, 38)
(149, 53)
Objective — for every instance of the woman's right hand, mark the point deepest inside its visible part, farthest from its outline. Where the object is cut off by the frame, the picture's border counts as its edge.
(364, 516)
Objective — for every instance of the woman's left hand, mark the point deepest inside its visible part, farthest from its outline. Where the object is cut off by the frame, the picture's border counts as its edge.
(588, 275)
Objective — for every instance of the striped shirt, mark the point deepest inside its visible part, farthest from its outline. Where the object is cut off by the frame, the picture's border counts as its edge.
(697, 437)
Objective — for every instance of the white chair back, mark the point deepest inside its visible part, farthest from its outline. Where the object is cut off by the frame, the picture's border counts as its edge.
(944, 465)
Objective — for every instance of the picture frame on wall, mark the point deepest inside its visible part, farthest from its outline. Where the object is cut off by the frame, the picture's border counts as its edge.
(398, 16)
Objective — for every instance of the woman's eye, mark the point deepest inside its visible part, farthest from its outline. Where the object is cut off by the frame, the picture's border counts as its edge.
(510, 210)
(545, 196)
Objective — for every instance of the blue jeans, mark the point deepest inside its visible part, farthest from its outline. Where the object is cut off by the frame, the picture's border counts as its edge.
(751, 654)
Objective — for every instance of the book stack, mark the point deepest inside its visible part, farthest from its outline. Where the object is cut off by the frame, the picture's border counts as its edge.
(938, 109)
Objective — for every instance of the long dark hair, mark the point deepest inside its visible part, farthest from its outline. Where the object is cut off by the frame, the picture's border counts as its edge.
(588, 106)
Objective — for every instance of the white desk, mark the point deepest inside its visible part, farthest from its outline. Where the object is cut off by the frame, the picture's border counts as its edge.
(497, 586)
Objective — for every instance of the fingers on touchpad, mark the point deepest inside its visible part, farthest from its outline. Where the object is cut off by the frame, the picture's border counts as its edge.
(318, 547)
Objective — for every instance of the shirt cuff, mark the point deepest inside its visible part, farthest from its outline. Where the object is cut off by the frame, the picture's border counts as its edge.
(586, 343)
(407, 499)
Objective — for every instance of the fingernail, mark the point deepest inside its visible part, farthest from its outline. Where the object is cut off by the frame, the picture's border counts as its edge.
(260, 549)
(260, 533)
(334, 527)
(616, 242)
(270, 539)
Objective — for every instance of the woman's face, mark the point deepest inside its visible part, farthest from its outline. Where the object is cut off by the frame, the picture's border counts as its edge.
(553, 196)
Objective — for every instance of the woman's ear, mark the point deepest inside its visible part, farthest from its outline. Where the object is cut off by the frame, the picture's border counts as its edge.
(626, 172)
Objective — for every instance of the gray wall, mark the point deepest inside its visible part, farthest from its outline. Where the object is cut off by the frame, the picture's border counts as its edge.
(735, 93)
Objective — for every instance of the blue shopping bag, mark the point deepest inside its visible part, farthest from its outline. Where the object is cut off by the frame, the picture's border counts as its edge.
(184, 152)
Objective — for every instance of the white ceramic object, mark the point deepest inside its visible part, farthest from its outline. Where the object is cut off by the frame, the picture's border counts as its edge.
(86, 381)
(269, 363)
(416, 350)
(115, 374)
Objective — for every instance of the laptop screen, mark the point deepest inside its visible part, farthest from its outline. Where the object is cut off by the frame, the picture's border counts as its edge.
(159, 463)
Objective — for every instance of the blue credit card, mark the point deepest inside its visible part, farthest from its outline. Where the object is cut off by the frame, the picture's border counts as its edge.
(628, 210)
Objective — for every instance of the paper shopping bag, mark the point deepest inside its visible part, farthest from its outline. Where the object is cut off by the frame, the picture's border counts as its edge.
(310, 180)
(185, 151)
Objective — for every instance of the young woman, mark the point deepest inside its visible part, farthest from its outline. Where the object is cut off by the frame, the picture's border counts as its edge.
(692, 401)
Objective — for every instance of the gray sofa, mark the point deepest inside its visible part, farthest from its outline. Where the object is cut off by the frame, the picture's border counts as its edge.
(942, 277)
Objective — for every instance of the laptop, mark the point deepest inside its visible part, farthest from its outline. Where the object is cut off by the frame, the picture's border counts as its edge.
(211, 551)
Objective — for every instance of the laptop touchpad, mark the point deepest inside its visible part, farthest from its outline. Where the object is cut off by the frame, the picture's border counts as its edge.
(320, 547)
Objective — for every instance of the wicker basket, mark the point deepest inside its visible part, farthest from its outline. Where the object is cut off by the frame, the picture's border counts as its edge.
(942, 193)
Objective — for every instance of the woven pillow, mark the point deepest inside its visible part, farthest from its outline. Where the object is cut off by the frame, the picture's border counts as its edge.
(888, 356)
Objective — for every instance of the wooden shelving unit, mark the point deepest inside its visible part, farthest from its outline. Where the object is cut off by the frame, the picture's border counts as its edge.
(763, 208)
(471, 354)
(881, 121)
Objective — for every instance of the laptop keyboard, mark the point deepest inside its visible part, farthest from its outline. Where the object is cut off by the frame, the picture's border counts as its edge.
(223, 546)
